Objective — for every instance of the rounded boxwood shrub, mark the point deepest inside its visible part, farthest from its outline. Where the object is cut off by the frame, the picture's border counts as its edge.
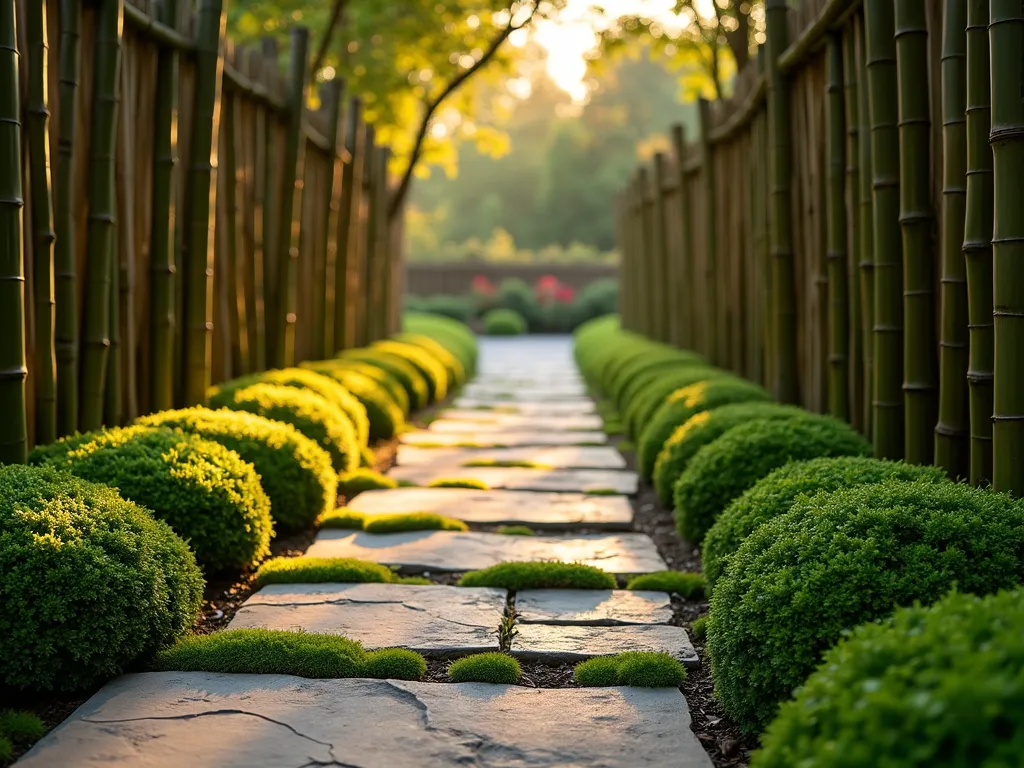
(640, 669)
(311, 414)
(775, 493)
(355, 482)
(398, 394)
(504, 322)
(295, 472)
(436, 351)
(401, 370)
(845, 558)
(204, 491)
(433, 371)
(703, 429)
(686, 402)
(497, 668)
(640, 410)
(745, 454)
(88, 581)
(385, 416)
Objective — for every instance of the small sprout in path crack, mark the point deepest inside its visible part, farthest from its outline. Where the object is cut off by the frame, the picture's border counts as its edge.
(516, 530)
(499, 668)
(459, 482)
(640, 669)
(507, 629)
(687, 584)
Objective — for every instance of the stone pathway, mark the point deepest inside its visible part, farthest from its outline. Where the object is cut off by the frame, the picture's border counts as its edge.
(527, 407)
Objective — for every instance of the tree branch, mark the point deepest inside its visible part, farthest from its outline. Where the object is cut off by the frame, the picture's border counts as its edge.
(403, 187)
(337, 11)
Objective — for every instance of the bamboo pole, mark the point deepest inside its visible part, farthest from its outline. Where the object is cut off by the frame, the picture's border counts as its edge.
(348, 227)
(885, 167)
(786, 384)
(661, 299)
(101, 239)
(371, 293)
(978, 243)
(37, 116)
(113, 388)
(682, 297)
(838, 315)
(952, 433)
(866, 254)
(384, 245)
(13, 368)
(258, 135)
(644, 252)
(920, 370)
(234, 281)
(1006, 53)
(851, 108)
(282, 340)
(326, 259)
(716, 338)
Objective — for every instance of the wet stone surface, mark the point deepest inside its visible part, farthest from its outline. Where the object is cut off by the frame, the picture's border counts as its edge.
(524, 479)
(548, 457)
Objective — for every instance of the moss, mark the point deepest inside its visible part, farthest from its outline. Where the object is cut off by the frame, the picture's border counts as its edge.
(640, 669)
(506, 463)
(539, 575)
(351, 484)
(516, 530)
(688, 585)
(459, 482)
(276, 652)
(342, 517)
(21, 727)
(498, 668)
(602, 492)
(411, 521)
(699, 628)
(322, 570)
(627, 445)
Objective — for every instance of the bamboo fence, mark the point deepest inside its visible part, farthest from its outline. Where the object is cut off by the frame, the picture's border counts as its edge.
(847, 227)
(173, 213)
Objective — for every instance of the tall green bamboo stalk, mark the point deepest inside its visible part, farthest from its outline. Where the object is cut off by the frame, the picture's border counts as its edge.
(282, 321)
(37, 116)
(348, 227)
(101, 239)
(683, 298)
(326, 258)
(1006, 54)
(786, 385)
(838, 301)
(885, 171)
(161, 243)
(851, 109)
(261, 177)
(920, 369)
(229, 171)
(13, 369)
(385, 252)
(952, 433)
(717, 339)
(112, 389)
(660, 299)
(978, 243)
(866, 254)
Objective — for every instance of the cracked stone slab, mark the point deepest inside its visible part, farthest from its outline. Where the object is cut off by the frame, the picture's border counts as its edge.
(531, 408)
(462, 420)
(508, 439)
(204, 720)
(558, 644)
(434, 620)
(534, 508)
(452, 551)
(549, 456)
(593, 607)
(524, 479)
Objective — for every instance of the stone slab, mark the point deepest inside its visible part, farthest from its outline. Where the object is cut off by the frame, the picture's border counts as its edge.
(559, 644)
(470, 439)
(524, 479)
(552, 456)
(531, 408)
(533, 508)
(520, 393)
(593, 607)
(203, 720)
(452, 551)
(434, 620)
(491, 421)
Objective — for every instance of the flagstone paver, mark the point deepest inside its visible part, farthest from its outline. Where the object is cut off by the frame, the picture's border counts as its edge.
(202, 720)
(538, 408)
(550, 456)
(592, 607)
(471, 439)
(525, 479)
(536, 509)
(556, 644)
(490, 421)
(449, 551)
(433, 620)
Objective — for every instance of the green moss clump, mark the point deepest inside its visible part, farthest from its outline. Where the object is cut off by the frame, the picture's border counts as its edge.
(504, 322)
(322, 570)
(640, 669)
(342, 517)
(89, 581)
(393, 664)
(205, 492)
(601, 492)
(516, 530)
(539, 575)
(459, 482)
(837, 560)
(497, 668)
(688, 585)
(276, 652)
(355, 482)
(295, 472)
(745, 454)
(937, 686)
(411, 521)
(699, 628)
(774, 494)
(506, 463)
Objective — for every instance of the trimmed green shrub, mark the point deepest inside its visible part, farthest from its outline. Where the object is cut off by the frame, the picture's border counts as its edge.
(433, 371)
(640, 669)
(278, 652)
(841, 559)
(938, 687)
(703, 429)
(414, 383)
(743, 455)
(455, 337)
(311, 414)
(295, 472)
(452, 364)
(774, 494)
(322, 570)
(680, 582)
(367, 458)
(89, 581)
(516, 530)
(641, 409)
(497, 668)
(539, 575)
(699, 628)
(504, 322)
(355, 482)
(342, 517)
(678, 407)
(459, 482)
(385, 415)
(411, 521)
(205, 492)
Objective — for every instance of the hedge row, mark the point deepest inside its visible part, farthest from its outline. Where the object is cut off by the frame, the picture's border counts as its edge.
(104, 541)
(822, 563)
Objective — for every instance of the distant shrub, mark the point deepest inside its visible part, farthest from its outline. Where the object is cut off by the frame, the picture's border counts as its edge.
(504, 322)
(745, 454)
(640, 669)
(433, 370)
(322, 570)
(417, 389)
(680, 582)
(452, 363)
(357, 481)
(383, 412)
(498, 668)
(841, 559)
(459, 482)
(539, 575)
(411, 521)
(89, 582)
